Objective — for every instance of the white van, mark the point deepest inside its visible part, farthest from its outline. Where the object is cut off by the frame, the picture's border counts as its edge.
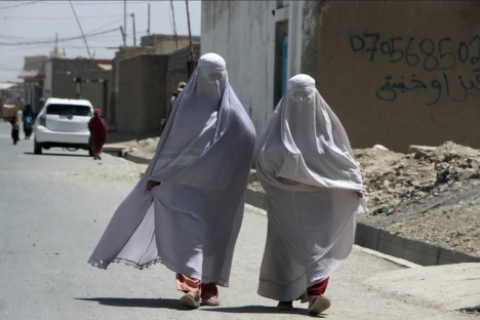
(63, 123)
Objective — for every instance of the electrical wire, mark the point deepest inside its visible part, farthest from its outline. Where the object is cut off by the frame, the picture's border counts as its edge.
(59, 40)
(89, 3)
(29, 38)
(20, 4)
(55, 19)
(108, 24)
(81, 29)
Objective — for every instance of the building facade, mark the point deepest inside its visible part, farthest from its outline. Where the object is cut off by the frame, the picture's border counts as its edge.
(255, 38)
(95, 75)
(395, 72)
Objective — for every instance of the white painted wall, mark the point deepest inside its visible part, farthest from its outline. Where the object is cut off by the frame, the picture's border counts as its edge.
(47, 83)
(243, 33)
(295, 37)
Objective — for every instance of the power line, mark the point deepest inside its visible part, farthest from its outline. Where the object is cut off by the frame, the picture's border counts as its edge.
(54, 19)
(89, 3)
(59, 40)
(20, 4)
(28, 38)
(109, 24)
(79, 3)
(81, 30)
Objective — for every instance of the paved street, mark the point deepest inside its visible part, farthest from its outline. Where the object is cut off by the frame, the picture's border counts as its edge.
(50, 223)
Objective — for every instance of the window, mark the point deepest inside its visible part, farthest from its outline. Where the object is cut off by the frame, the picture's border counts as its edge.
(69, 110)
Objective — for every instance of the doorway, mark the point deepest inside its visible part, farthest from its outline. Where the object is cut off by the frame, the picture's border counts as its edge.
(281, 61)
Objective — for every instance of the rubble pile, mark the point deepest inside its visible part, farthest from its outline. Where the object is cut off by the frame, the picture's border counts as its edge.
(394, 179)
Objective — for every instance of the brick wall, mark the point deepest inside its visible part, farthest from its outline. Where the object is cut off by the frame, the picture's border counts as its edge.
(141, 94)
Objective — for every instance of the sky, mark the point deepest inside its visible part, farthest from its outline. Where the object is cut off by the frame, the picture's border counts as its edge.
(23, 24)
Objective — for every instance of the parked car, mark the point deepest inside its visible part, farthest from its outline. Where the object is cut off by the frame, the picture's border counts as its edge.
(63, 123)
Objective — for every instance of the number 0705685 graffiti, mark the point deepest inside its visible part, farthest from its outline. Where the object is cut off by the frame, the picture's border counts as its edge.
(430, 54)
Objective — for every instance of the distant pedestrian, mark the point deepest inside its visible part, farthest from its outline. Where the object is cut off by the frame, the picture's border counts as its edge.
(15, 129)
(314, 189)
(180, 87)
(27, 121)
(187, 209)
(98, 134)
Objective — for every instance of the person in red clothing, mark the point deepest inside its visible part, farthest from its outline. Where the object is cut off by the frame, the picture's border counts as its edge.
(98, 134)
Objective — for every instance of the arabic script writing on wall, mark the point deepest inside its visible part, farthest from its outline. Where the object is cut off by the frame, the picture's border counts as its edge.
(438, 57)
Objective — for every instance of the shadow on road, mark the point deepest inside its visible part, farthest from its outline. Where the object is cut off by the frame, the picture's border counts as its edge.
(58, 155)
(175, 305)
(137, 303)
(261, 309)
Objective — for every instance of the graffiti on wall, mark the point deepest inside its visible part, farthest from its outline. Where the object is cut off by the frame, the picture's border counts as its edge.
(437, 60)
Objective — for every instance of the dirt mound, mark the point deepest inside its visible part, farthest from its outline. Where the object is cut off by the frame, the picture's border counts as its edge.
(395, 179)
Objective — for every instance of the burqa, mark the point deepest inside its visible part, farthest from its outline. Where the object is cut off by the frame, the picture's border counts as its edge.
(191, 220)
(98, 133)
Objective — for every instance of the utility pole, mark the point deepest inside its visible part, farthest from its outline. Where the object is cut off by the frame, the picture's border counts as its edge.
(78, 81)
(148, 20)
(190, 38)
(174, 24)
(123, 36)
(124, 22)
(81, 30)
(134, 33)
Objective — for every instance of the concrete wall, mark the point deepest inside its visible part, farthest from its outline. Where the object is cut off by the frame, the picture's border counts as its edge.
(178, 68)
(47, 84)
(142, 94)
(122, 54)
(62, 85)
(166, 43)
(397, 72)
(243, 32)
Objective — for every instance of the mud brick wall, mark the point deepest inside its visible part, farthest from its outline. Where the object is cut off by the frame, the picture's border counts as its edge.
(142, 94)
(397, 72)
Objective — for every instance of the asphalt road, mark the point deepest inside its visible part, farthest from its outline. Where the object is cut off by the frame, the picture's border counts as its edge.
(49, 225)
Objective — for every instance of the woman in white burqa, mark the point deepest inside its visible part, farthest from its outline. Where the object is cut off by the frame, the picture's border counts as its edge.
(314, 189)
(187, 210)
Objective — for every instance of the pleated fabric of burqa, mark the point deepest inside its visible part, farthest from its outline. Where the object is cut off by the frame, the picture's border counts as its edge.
(190, 222)
(306, 165)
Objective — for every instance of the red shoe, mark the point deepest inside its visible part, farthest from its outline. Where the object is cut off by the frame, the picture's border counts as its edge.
(210, 302)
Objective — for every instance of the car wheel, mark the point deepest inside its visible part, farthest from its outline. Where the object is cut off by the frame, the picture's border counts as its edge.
(37, 147)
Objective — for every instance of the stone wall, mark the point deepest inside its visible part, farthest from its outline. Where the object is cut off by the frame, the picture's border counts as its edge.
(397, 72)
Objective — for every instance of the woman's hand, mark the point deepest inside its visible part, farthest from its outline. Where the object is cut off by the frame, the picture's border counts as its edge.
(360, 195)
(151, 184)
